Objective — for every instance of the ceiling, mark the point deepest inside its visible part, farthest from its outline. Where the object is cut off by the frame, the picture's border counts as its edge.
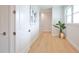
(44, 6)
(47, 6)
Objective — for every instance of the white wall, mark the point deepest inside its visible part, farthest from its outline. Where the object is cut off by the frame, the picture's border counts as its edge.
(57, 14)
(73, 34)
(46, 20)
(35, 26)
(24, 38)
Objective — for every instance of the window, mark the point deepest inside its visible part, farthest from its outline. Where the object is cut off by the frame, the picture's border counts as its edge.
(69, 15)
(69, 19)
(75, 8)
(69, 11)
(72, 14)
(75, 14)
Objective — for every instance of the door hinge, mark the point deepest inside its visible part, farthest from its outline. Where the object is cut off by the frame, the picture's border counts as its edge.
(14, 11)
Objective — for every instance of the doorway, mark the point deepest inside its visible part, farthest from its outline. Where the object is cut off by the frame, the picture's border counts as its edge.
(46, 20)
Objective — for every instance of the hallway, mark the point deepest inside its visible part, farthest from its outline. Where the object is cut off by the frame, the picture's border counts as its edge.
(46, 43)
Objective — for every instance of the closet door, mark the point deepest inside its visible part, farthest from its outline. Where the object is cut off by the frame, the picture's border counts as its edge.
(4, 29)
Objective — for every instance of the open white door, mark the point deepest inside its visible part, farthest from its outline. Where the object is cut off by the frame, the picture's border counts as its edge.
(4, 28)
(22, 28)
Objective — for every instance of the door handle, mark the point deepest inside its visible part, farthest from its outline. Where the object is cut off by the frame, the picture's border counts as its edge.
(4, 33)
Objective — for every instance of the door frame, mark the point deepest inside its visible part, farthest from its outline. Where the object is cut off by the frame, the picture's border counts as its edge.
(12, 23)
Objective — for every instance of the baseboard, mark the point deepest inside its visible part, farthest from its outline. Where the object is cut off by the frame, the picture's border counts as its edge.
(73, 44)
(30, 43)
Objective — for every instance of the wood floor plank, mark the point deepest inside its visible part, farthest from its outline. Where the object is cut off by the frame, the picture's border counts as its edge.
(46, 43)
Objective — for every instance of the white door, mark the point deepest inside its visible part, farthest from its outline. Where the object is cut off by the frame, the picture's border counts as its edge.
(22, 28)
(4, 28)
(46, 20)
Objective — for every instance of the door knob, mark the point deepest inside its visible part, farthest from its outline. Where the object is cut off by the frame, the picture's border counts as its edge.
(4, 33)
(14, 33)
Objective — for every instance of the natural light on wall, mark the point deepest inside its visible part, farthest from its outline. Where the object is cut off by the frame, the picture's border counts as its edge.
(42, 15)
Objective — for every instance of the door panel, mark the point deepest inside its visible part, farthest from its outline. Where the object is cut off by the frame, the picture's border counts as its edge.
(4, 27)
(12, 27)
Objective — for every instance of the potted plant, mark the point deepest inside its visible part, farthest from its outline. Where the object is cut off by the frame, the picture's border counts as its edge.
(61, 26)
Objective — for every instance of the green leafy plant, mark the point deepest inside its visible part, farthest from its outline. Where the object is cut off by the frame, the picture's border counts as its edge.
(60, 25)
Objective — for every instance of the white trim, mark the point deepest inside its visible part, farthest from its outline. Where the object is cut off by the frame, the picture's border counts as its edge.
(75, 46)
(12, 28)
(30, 43)
(9, 28)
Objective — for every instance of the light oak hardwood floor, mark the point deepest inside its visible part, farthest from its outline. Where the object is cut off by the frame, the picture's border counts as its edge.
(46, 43)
